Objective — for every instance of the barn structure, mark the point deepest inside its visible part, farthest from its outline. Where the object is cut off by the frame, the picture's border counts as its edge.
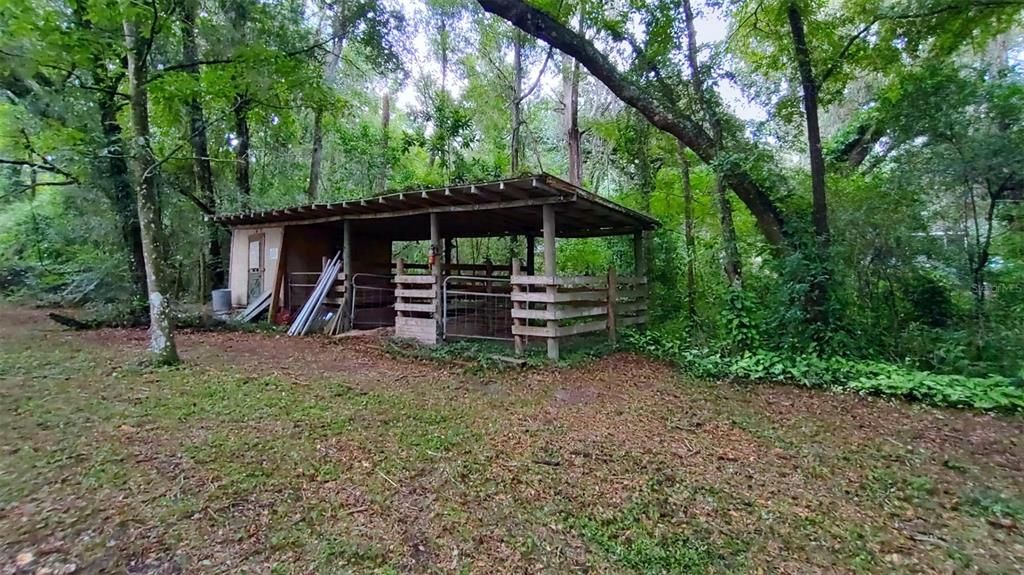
(284, 251)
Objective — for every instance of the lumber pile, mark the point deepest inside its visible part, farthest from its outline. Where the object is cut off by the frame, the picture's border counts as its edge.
(255, 307)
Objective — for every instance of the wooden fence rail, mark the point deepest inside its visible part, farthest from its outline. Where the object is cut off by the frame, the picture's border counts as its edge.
(545, 307)
(415, 306)
(554, 307)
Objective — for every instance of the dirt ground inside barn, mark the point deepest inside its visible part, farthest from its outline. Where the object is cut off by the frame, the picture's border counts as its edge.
(269, 454)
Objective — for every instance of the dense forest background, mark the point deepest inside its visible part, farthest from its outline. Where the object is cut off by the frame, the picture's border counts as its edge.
(839, 182)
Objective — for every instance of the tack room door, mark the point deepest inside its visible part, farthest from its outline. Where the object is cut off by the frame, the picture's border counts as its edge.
(256, 267)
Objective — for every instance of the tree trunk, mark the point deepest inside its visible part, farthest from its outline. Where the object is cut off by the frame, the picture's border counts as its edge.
(645, 170)
(688, 239)
(979, 255)
(122, 194)
(516, 146)
(445, 40)
(242, 150)
(730, 246)
(313, 188)
(339, 26)
(385, 127)
(571, 103)
(201, 166)
(818, 290)
(696, 79)
(161, 330)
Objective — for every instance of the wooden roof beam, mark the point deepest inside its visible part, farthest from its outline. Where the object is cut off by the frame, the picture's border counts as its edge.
(467, 207)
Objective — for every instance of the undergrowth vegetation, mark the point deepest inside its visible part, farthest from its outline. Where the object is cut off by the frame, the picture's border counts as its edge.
(883, 254)
(995, 393)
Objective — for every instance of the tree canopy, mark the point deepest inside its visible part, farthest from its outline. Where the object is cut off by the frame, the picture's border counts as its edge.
(834, 178)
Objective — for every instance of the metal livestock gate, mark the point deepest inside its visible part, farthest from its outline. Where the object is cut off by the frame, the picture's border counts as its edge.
(373, 300)
(477, 307)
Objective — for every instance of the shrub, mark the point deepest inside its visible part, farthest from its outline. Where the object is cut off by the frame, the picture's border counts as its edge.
(930, 300)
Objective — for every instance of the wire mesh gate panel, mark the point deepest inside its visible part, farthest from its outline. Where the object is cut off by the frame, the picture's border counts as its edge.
(373, 301)
(477, 307)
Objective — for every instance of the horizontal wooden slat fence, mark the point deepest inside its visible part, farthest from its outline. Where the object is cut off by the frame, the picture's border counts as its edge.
(460, 269)
(562, 306)
(549, 307)
(415, 306)
(631, 301)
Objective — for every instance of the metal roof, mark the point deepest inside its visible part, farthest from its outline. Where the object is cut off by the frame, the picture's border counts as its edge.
(503, 207)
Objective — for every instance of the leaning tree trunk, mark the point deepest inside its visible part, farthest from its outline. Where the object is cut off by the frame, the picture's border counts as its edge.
(571, 103)
(817, 297)
(161, 330)
(730, 247)
(688, 239)
(666, 116)
(201, 166)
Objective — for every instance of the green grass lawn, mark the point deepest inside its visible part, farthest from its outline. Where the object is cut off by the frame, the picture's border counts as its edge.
(265, 454)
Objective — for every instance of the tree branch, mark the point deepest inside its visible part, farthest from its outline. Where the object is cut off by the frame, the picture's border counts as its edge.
(684, 128)
(846, 48)
(221, 61)
(45, 167)
(28, 187)
(536, 82)
(951, 7)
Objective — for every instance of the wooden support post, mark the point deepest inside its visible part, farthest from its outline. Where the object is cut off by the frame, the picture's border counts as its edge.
(346, 267)
(613, 297)
(550, 268)
(399, 271)
(279, 281)
(448, 256)
(435, 270)
(531, 252)
(516, 322)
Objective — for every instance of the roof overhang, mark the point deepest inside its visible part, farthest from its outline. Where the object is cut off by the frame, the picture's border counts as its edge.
(498, 208)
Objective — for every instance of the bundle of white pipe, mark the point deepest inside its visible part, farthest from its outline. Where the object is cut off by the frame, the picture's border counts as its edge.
(323, 285)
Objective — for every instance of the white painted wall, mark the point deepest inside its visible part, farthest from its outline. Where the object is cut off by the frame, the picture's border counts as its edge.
(238, 272)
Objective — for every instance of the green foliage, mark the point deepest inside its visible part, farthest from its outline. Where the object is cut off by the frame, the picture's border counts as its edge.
(739, 331)
(989, 393)
(44, 259)
(930, 299)
(920, 271)
(990, 503)
(631, 540)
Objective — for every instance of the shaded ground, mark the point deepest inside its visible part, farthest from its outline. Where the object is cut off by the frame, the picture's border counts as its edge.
(267, 454)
